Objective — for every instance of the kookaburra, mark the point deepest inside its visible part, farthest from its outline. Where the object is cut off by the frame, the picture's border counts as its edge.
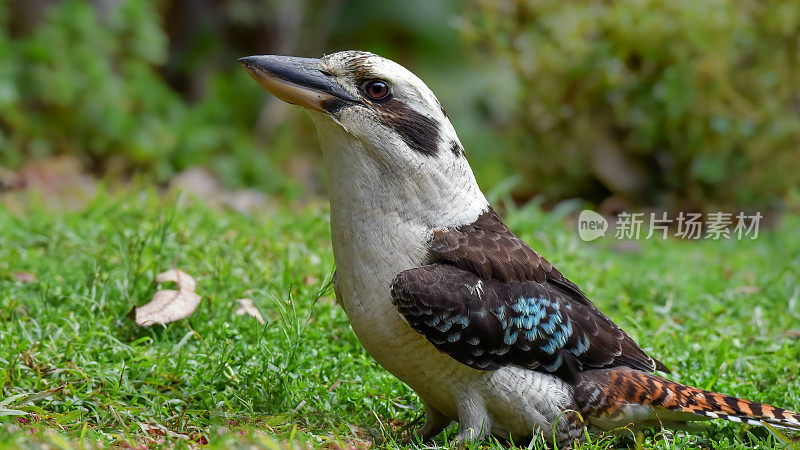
(439, 291)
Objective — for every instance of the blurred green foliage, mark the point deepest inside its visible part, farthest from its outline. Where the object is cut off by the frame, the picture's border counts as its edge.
(87, 85)
(153, 88)
(684, 104)
(679, 103)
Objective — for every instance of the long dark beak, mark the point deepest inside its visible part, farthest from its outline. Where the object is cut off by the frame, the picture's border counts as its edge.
(300, 81)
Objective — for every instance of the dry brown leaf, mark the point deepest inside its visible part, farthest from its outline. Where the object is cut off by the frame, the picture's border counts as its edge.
(746, 290)
(245, 201)
(10, 180)
(24, 277)
(169, 305)
(204, 184)
(155, 429)
(363, 438)
(246, 306)
(197, 181)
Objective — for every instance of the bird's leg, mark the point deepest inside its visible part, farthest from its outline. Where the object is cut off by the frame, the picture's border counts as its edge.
(435, 422)
(569, 428)
(474, 422)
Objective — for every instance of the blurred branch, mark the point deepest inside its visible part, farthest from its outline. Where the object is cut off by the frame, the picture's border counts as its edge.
(27, 15)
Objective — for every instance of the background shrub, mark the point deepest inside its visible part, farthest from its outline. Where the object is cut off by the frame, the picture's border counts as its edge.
(683, 104)
(152, 88)
(679, 103)
(87, 81)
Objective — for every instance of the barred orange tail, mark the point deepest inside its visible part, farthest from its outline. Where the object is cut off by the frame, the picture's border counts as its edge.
(611, 397)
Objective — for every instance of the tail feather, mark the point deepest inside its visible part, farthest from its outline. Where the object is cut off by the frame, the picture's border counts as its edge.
(614, 396)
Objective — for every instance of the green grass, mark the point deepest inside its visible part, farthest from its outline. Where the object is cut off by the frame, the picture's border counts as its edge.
(83, 374)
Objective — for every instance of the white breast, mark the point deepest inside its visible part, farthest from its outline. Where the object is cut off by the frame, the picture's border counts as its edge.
(376, 236)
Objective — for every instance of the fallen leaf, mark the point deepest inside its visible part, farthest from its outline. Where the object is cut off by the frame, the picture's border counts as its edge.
(10, 180)
(61, 180)
(197, 181)
(244, 201)
(28, 358)
(24, 277)
(363, 438)
(203, 184)
(198, 437)
(746, 290)
(246, 306)
(155, 429)
(169, 305)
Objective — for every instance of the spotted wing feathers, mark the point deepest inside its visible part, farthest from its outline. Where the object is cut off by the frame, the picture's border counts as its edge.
(487, 324)
(490, 250)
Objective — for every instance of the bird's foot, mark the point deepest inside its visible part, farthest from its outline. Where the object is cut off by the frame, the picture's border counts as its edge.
(569, 429)
(474, 423)
(435, 422)
(469, 435)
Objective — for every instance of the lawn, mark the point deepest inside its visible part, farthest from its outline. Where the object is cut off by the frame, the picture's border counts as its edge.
(76, 371)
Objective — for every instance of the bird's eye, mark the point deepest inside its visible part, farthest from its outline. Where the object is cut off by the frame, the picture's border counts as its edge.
(377, 90)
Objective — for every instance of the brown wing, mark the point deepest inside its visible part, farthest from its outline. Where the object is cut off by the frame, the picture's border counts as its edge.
(488, 324)
(488, 250)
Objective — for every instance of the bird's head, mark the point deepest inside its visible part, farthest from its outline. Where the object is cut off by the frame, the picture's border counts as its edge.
(379, 125)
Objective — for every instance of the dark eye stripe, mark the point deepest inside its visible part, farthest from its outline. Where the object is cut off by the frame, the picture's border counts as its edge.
(417, 130)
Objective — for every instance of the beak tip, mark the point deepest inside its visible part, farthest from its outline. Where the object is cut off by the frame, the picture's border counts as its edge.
(295, 80)
(246, 61)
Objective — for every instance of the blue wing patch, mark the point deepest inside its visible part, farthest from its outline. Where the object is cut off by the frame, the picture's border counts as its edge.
(540, 321)
(526, 323)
